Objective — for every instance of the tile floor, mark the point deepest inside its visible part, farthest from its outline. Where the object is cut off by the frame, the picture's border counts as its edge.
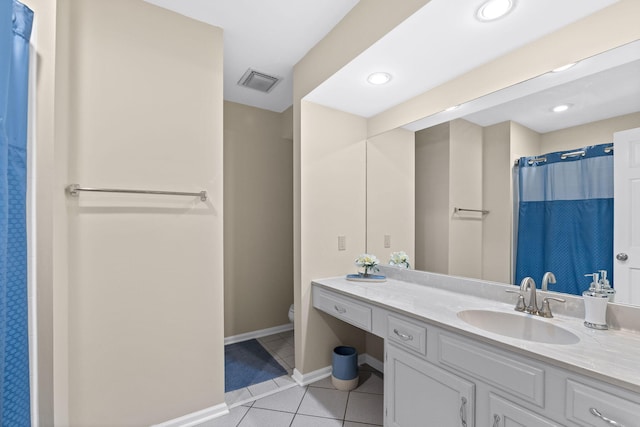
(282, 403)
(281, 348)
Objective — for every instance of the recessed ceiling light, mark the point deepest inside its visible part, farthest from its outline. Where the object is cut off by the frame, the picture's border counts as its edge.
(494, 9)
(563, 68)
(454, 107)
(379, 78)
(561, 108)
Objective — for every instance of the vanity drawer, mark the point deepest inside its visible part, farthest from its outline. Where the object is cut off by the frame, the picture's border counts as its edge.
(343, 308)
(513, 375)
(584, 403)
(407, 334)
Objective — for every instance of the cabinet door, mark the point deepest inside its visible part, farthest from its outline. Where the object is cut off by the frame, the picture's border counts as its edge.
(508, 414)
(418, 393)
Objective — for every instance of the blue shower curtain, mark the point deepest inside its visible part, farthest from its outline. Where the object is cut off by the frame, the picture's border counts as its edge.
(565, 219)
(15, 30)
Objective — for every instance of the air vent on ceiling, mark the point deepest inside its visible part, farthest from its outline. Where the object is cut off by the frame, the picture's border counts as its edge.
(259, 81)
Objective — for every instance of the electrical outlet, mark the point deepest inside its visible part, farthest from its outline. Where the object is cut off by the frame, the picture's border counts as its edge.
(342, 243)
(387, 240)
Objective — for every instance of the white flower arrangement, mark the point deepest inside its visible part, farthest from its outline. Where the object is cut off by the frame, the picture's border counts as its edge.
(368, 262)
(400, 259)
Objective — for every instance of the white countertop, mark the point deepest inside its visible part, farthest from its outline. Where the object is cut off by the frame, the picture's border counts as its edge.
(611, 355)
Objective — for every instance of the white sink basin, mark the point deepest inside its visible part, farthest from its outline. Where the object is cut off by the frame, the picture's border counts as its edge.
(520, 326)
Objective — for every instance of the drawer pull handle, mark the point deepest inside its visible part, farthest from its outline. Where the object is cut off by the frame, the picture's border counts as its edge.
(403, 336)
(463, 412)
(496, 420)
(597, 413)
(340, 310)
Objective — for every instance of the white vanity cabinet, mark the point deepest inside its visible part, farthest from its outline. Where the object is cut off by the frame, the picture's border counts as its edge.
(418, 393)
(504, 413)
(438, 375)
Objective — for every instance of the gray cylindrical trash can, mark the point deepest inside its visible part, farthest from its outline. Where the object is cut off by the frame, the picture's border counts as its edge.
(344, 372)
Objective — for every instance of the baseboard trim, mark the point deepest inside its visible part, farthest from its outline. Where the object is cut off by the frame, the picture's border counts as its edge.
(196, 418)
(258, 334)
(371, 361)
(306, 379)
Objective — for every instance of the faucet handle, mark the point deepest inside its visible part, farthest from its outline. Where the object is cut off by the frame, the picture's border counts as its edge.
(520, 305)
(546, 310)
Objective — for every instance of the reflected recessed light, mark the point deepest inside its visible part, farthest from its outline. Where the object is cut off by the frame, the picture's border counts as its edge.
(494, 9)
(563, 68)
(379, 78)
(455, 107)
(561, 108)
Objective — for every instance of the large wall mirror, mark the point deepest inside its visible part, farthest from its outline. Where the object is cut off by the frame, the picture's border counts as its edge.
(465, 201)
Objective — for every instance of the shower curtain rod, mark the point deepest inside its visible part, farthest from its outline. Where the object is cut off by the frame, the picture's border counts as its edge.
(73, 190)
(563, 156)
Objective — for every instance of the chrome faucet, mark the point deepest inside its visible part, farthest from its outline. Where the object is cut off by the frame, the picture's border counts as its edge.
(548, 277)
(529, 284)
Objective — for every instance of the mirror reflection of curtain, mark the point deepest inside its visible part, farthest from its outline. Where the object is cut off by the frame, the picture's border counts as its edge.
(15, 31)
(565, 218)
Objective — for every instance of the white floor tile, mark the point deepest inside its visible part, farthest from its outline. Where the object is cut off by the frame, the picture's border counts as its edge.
(275, 345)
(350, 424)
(262, 388)
(230, 420)
(264, 418)
(237, 396)
(286, 401)
(370, 383)
(365, 408)
(323, 383)
(285, 351)
(324, 402)
(269, 338)
(308, 421)
(290, 361)
(284, 381)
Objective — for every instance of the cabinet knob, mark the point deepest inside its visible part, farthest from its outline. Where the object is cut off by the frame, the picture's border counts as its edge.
(622, 256)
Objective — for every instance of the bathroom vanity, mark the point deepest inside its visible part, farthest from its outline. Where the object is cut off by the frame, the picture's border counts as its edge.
(457, 354)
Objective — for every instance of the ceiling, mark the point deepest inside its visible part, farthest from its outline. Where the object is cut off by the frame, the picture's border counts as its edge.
(439, 42)
(266, 36)
(603, 86)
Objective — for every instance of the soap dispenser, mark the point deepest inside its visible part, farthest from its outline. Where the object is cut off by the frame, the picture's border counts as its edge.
(595, 304)
(606, 287)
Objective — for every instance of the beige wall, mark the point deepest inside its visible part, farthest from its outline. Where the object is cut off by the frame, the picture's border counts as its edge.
(362, 26)
(465, 191)
(141, 304)
(391, 194)
(497, 199)
(258, 211)
(432, 199)
(448, 174)
(600, 132)
(332, 184)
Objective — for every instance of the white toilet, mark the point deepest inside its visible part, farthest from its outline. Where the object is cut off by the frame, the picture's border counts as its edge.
(291, 316)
